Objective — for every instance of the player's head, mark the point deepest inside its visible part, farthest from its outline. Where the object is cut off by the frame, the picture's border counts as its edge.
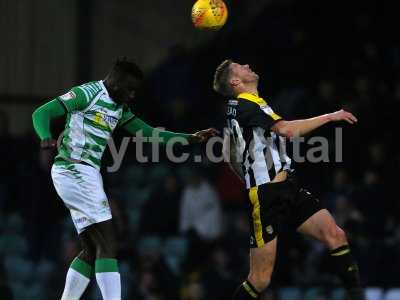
(232, 78)
(123, 80)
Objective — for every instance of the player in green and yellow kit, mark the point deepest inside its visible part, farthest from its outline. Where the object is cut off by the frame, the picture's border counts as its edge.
(93, 112)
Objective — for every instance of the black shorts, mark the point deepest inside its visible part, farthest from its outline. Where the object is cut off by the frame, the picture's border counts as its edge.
(276, 207)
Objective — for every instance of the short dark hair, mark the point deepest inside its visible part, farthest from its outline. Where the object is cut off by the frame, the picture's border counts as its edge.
(123, 66)
(221, 78)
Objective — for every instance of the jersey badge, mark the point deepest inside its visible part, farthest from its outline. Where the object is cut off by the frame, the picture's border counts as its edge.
(68, 96)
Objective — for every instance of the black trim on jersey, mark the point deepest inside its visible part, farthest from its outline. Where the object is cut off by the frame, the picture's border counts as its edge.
(268, 158)
(248, 137)
(235, 134)
(63, 105)
(259, 118)
(277, 142)
(251, 172)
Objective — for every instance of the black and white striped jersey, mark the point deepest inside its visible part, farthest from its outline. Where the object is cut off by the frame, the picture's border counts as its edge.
(260, 151)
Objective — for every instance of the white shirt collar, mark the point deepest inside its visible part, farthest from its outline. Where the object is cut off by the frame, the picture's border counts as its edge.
(104, 88)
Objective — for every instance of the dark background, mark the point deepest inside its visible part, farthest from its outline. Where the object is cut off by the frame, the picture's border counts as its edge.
(313, 57)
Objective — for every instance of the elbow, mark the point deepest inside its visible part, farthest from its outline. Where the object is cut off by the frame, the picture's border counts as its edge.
(35, 115)
(38, 111)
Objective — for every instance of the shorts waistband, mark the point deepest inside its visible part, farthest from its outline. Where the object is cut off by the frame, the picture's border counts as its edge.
(291, 179)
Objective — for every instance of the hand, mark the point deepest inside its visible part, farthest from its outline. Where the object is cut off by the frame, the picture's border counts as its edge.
(204, 135)
(48, 143)
(342, 115)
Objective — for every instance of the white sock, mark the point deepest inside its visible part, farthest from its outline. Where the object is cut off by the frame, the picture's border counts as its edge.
(75, 285)
(110, 285)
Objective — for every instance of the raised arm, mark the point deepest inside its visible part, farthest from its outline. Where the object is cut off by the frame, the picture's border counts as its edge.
(301, 127)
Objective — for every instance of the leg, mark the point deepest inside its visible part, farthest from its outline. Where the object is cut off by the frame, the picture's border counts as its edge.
(265, 207)
(81, 189)
(262, 261)
(88, 253)
(322, 227)
(102, 236)
(80, 271)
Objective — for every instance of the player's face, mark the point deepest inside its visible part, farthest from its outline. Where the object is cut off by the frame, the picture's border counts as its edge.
(243, 72)
(127, 89)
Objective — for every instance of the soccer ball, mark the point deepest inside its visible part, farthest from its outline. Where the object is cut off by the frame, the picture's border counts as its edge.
(209, 14)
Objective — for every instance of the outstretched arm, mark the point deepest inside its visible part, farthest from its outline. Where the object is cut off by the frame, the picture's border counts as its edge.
(301, 127)
(135, 125)
(41, 118)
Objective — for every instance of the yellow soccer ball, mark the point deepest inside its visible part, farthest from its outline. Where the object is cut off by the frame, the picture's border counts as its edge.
(209, 14)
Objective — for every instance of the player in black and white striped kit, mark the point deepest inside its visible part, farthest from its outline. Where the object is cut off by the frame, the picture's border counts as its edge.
(255, 146)
(263, 151)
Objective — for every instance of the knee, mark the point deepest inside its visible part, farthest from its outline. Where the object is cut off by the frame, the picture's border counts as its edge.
(106, 249)
(88, 255)
(260, 280)
(334, 237)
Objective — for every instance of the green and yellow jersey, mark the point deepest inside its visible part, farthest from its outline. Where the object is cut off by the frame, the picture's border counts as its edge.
(92, 116)
(91, 119)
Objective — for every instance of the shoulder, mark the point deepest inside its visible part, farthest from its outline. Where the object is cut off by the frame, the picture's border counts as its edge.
(242, 105)
(260, 108)
(266, 109)
(248, 108)
(90, 89)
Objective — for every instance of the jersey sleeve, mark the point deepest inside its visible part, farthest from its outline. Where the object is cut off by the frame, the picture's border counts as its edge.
(74, 100)
(127, 115)
(262, 116)
(138, 125)
(43, 115)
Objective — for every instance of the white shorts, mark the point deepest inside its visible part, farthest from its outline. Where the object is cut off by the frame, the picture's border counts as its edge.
(81, 188)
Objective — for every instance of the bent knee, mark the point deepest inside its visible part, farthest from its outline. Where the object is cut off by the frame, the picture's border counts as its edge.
(334, 237)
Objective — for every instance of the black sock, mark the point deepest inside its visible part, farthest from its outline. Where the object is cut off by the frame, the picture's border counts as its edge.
(346, 268)
(245, 291)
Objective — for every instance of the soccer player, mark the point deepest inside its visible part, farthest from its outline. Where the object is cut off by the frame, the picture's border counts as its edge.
(255, 146)
(93, 112)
